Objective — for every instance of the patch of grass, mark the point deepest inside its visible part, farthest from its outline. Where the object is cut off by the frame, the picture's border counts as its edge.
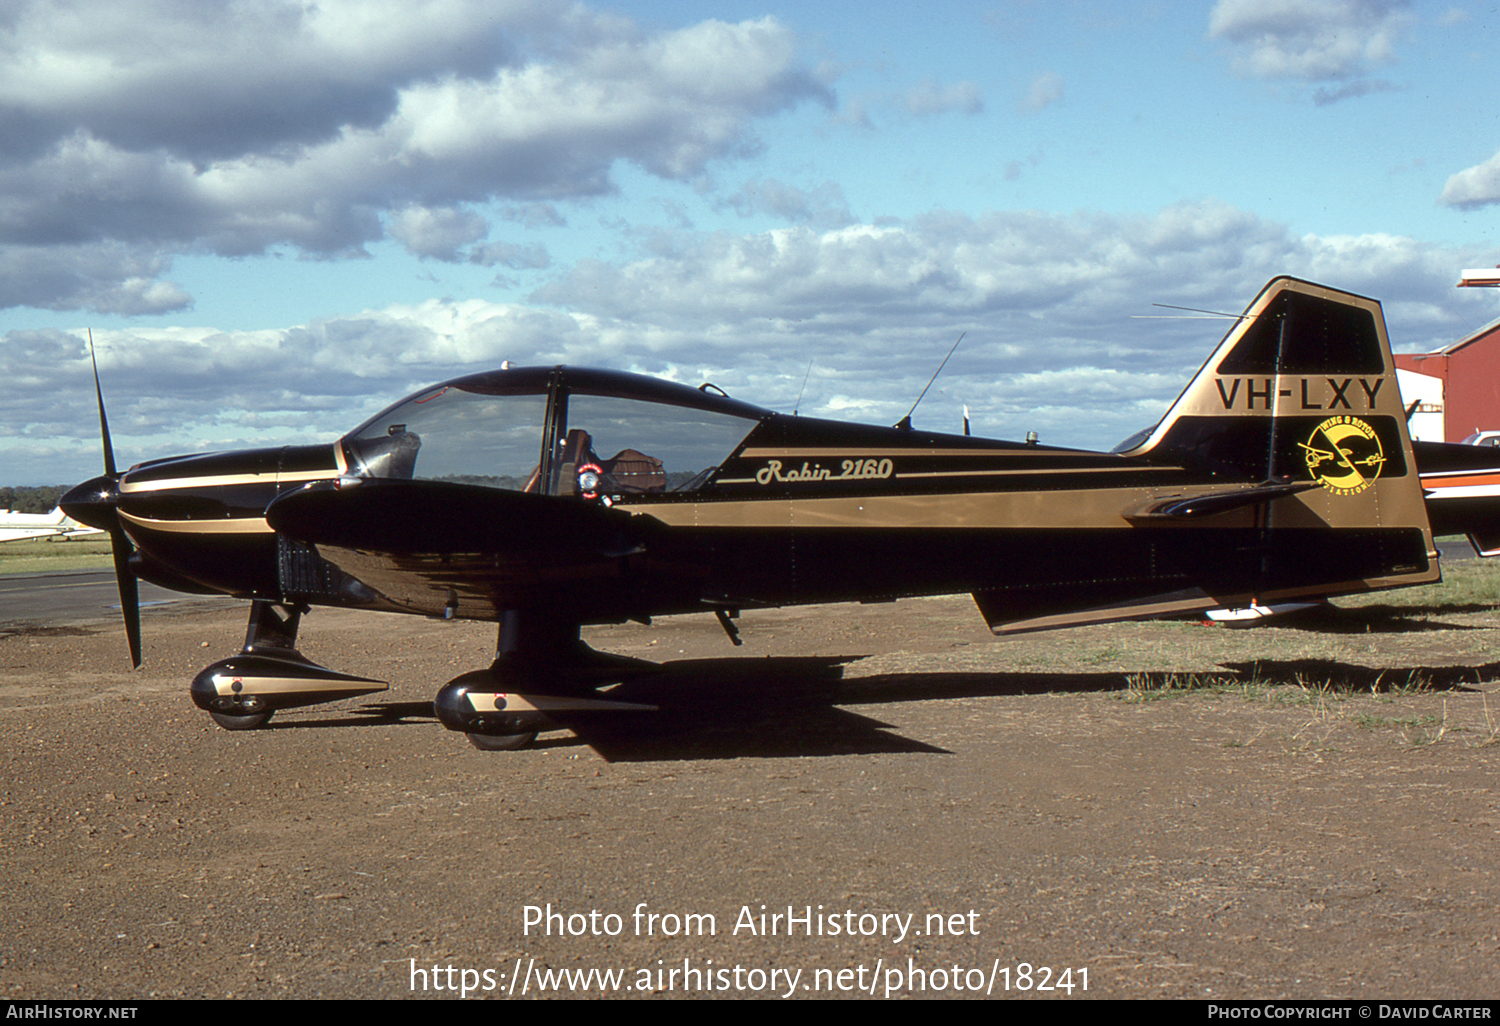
(1420, 731)
(1370, 721)
(1331, 677)
(1493, 728)
(1302, 691)
(1413, 682)
(1418, 735)
(1148, 687)
(1103, 655)
(1467, 585)
(1302, 683)
(40, 555)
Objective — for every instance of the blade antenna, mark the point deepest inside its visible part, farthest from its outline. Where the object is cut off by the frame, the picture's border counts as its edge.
(905, 422)
(1188, 309)
(119, 543)
(1194, 309)
(803, 389)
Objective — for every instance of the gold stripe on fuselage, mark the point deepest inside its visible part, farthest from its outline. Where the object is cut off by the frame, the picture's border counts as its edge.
(906, 475)
(277, 477)
(847, 454)
(227, 525)
(1062, 508)
(1138, 468)
(225, 480)
(809, 452)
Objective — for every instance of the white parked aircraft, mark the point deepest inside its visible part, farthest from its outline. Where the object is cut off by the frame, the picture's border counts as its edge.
(57, 524)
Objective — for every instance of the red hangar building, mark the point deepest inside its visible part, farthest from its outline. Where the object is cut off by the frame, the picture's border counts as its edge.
(1456, 389)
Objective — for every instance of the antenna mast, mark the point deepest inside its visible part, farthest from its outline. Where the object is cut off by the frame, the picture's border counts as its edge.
(803, 389)
(905, 422)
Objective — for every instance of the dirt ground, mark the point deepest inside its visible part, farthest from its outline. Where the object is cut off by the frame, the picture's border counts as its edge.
(880, 800)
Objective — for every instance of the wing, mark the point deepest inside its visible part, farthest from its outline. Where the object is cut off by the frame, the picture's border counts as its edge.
(445, 549)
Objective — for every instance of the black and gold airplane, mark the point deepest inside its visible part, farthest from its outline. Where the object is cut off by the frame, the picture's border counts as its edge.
(546, 498)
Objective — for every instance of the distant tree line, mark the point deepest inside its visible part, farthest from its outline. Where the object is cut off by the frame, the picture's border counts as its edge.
(34, 499)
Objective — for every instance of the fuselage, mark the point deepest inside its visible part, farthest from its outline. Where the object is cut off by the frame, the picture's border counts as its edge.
(598, 496)
(546, 498)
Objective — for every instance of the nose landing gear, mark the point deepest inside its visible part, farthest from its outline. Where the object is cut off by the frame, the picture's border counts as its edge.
(243, 691)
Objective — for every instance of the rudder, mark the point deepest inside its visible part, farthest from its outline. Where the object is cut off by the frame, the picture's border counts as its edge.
(1303, 389)
(1298, 478)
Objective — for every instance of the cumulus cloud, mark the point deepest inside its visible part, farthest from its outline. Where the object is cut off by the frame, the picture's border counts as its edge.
(109, 277)
(166, 127)
(437, 233)
(1052, 306)
(1046, 90)
(1473, 187)
(217, 80)
(1312, 40)
(933, 266)
(512, 255)
(931, 98)
(823, 207)
(1325, 95)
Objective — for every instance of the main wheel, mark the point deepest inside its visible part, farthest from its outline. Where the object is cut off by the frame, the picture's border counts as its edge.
(502, 742)
(242, 721)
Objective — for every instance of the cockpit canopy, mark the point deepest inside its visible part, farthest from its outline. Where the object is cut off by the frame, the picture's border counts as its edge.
(555, 431)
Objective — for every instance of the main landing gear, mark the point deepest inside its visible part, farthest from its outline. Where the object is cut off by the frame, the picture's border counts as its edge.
(543, 677)
(243, 691)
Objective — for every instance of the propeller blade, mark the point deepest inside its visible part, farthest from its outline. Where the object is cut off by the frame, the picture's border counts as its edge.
(130, 598)
(119, 543)
(109, 449)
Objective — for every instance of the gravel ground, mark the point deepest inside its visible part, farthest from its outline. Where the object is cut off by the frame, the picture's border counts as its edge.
(1144, 810)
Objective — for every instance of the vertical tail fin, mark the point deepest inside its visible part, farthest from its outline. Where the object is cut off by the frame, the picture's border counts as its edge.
(1300, 355)
(1288, 474)
(1303, 390)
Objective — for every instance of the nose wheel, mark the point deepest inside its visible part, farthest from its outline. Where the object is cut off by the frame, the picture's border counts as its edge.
(243, 691)
(241, 721)
(502, 742)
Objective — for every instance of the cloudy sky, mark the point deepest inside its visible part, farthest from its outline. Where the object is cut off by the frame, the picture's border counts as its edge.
(277, 216)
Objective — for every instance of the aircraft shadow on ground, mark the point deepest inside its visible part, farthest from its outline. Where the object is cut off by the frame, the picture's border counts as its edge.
(370, 714)
(1380, 619)
(1351, 678)
(742, 708)
(792, 706)
(774, 708)
(707, 709)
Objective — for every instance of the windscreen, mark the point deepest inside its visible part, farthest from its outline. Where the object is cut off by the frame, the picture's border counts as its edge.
(645, 447)
(452, 435)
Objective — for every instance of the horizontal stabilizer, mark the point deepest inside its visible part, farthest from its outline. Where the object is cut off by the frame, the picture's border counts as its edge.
(1005, 618)
(1196, 506)
(1486, 543)
(1462, 488)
